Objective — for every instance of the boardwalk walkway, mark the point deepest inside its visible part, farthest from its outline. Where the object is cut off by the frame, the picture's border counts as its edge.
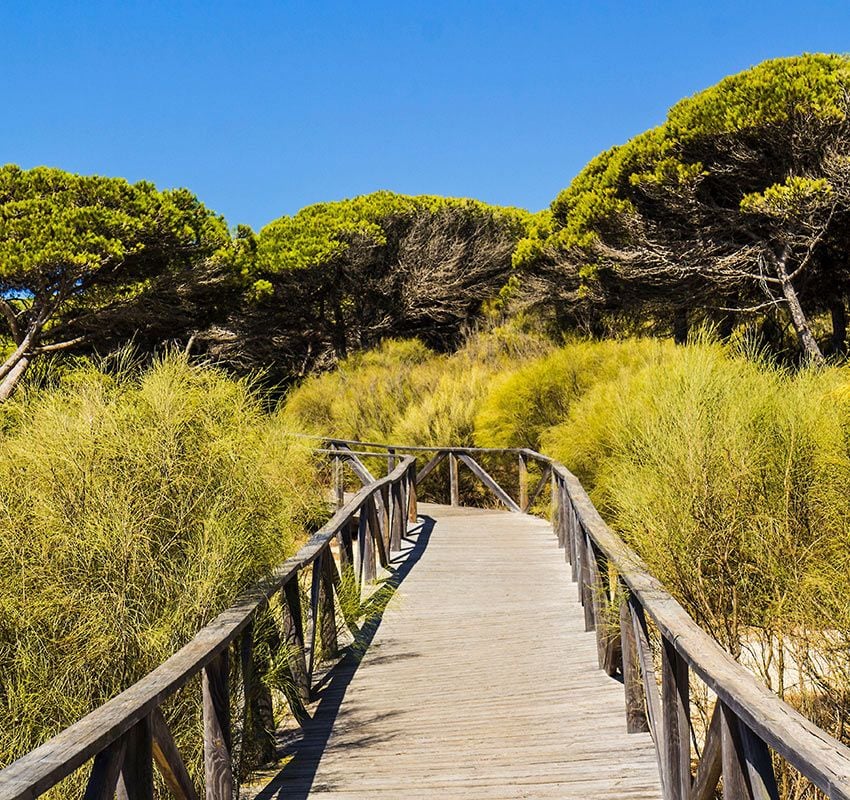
(478, 682)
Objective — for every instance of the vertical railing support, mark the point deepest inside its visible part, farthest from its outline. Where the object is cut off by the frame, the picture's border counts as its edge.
(523, 482)
(339, 482)
(454, 489)
(636, 721)
(676, 709)
(327, 611)
(218, 771)
(136, 779)
(747, 766)
(412, 509)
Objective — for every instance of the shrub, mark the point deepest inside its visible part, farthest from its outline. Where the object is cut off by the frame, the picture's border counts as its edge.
(526, 402)
(135, 507)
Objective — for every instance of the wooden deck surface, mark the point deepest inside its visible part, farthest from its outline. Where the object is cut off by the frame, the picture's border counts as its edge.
(479, 681)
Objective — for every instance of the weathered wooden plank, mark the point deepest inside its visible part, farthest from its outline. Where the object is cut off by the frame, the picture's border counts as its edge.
(586, 581)
(365, 545)
(523, 482)
(398, 513)
(313, 631)
(650, 686)
(747, 766)
(544, 479)
(432, 464)
(168, 760)
(454, 489)
(711, 764)
(597, 598)
(380, 535)
(103, 780)
(327, 609)
(135, 780)
(293, 639)
(218, 768)
(257, 718)
(675, 703)
(412, 499)
(636, 721)
(463, 671)
(489, 482)
(734, 764)
(339, 482)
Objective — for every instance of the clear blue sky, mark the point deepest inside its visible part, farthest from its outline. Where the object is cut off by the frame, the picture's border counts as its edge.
(261, 108)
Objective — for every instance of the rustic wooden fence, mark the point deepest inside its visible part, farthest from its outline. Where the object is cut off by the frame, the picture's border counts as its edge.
(749, 727)
(128, 736)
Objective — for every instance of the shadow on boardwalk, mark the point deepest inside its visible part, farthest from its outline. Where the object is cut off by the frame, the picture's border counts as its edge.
(304, 748)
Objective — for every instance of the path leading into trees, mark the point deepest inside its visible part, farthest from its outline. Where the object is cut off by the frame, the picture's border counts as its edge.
(479, 681)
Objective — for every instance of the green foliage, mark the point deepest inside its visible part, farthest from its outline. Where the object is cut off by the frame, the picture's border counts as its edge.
(787, 199)
(523, 404)
(87, 259)
(769, 94)
(680, 217)
(363, 397)
(727, 475)
(135, 507)
(772, 93)
(323, 232)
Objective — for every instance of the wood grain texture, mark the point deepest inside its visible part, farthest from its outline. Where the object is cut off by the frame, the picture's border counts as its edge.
(135, 780)
(168, 760)
(218, 770)
(479, 682)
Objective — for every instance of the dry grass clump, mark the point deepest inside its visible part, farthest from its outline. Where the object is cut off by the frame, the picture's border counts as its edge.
(134, 508)
(363, 396)
(524, 403)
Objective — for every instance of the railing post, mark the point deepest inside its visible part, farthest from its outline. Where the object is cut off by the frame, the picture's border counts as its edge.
(563, 509)
(365, 545)
(399, 517)
(454, 488)
(635, 704)
(218, 770)
(390, 460)
(523, 483)
(339, 482)
(412, 510)
(258, 742)
(136, 779)
(675, 704)
(327, 612)
(747, 766)
(293, 630)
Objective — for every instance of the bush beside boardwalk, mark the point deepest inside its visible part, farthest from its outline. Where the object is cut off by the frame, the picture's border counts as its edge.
(135, 506)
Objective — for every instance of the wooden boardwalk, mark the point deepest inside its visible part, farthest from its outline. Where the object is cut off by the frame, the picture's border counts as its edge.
(479, 681)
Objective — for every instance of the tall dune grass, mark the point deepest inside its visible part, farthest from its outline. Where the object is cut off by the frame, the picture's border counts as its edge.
(133, 507)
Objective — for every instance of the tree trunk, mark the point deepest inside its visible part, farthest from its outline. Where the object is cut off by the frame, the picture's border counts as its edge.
(839, 325)
(680, 326)
(8, 384)
(811, 350)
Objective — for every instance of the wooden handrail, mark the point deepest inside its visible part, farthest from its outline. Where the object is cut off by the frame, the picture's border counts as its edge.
(112, 733)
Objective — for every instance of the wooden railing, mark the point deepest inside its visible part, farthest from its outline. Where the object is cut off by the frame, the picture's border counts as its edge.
(621, 599)
(128, 735)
